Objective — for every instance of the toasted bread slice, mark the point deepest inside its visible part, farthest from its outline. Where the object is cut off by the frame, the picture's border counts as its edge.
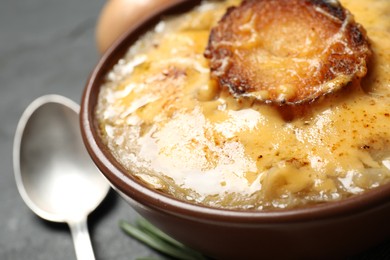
(287, 51)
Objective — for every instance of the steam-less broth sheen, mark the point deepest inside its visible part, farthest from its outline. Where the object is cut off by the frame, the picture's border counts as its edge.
(172, 127)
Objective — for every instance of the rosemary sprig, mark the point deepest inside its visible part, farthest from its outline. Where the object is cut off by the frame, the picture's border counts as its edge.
(147, 226)
(158, 240)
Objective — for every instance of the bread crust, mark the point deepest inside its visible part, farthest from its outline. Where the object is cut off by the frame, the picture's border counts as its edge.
(287, 52)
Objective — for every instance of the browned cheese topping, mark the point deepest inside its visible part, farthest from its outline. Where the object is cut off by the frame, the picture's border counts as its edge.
(251, 125)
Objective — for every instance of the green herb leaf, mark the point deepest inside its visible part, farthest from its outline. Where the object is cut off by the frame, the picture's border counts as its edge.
(148, 227)
(158, 240)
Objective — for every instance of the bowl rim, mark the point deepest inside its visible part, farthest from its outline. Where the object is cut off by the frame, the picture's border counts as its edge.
(133, 188)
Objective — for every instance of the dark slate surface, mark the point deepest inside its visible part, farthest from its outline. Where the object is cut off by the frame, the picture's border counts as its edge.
(48, 47)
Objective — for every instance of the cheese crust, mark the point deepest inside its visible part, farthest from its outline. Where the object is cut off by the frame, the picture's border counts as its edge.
(170, 124)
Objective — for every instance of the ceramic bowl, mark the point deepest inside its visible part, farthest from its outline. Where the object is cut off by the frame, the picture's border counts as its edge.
(332, 230)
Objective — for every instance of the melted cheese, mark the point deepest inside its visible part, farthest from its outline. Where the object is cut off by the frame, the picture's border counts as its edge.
(169, 125)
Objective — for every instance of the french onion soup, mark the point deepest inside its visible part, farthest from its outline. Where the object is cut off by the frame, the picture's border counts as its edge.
(255, 104)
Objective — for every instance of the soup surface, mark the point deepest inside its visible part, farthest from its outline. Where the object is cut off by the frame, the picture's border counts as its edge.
(171, 126)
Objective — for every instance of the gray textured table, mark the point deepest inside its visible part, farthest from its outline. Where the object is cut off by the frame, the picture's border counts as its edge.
(48, 47)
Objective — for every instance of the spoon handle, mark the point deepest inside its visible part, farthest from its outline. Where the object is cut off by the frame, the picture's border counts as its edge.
(81, 239)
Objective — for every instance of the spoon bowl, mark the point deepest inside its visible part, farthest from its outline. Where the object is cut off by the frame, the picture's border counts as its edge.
(54, 174)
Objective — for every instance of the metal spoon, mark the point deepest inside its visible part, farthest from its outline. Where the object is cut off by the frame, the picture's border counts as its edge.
(54, 174)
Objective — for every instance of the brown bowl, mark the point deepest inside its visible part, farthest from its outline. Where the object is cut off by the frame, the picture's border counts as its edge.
(332, 230)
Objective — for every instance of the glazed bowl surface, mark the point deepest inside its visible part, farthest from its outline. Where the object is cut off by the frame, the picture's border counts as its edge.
(336, 229)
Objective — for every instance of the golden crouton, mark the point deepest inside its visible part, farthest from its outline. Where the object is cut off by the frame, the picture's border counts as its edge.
(287, 52)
